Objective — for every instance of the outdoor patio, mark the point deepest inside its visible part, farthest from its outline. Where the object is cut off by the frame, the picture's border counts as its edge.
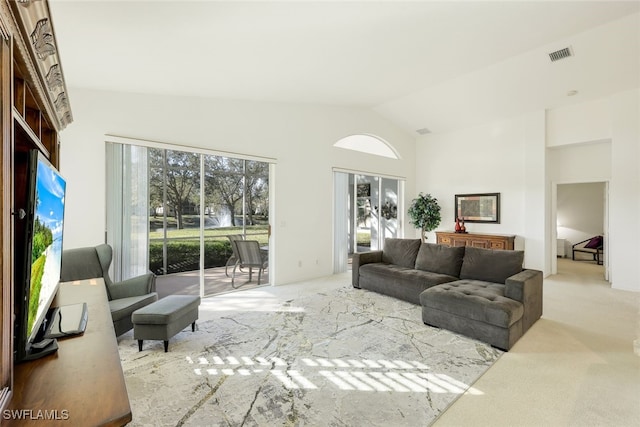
(215, 282)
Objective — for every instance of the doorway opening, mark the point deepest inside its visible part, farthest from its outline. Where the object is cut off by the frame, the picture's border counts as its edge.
(581, 213)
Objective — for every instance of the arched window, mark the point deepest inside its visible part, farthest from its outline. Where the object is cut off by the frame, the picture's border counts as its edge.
(368, 144)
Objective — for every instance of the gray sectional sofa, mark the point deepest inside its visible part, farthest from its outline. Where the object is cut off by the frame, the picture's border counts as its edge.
(481, 293)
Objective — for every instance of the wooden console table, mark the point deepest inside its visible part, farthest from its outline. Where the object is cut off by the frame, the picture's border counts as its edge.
(487, 241)
(82, 384)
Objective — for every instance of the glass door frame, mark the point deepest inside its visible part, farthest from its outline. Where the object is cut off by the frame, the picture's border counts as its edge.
(376, 202)
(351, 215)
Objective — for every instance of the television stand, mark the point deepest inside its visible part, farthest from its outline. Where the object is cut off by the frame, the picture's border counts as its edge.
(64, 321)
(67, 321)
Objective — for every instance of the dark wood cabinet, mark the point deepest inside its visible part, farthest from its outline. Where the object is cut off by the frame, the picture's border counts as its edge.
(33, 109)
(476, 240)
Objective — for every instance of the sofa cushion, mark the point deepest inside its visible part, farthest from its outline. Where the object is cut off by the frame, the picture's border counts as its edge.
(476, 300)
(490, 265)
(440, 259)
(399, 282)
(400, 252)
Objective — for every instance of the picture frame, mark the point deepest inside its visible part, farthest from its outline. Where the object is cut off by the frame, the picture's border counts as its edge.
(363, 190)
(482, 207)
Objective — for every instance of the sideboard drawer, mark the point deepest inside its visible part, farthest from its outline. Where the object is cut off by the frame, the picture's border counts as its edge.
(497, 245)
(477, 240)
(478, 243)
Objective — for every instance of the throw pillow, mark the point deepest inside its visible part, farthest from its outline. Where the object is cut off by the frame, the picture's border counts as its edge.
(490, 265)
(400, 252)
(594, 243)
(440, 259)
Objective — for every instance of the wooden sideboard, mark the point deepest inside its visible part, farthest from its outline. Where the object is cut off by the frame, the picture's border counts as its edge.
(487, 241)
(82, 384)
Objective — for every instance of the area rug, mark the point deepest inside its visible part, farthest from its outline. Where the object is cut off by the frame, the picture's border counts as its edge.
(345, 357)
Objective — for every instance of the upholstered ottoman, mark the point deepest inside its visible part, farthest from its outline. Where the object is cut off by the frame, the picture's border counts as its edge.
(476, 309)
(165, 318)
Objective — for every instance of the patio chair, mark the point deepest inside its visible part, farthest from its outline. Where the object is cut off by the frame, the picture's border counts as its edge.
(233, 259)
(249, 256)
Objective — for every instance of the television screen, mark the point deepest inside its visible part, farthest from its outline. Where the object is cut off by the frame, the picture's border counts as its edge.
(44, 240)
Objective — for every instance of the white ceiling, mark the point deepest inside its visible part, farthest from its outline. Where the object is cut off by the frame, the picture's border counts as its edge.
(440, 65)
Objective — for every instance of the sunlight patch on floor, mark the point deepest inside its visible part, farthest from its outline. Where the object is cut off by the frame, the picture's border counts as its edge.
(347, 375)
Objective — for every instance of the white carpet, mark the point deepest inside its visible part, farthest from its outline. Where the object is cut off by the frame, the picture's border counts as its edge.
(344, 357)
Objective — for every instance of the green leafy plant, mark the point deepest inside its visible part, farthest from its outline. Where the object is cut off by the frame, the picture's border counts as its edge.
(425, 213)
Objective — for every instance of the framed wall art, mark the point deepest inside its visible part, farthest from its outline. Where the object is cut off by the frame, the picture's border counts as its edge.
(478, 207)
(363, 190)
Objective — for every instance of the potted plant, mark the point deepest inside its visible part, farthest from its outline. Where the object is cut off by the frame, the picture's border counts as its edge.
(425, 214)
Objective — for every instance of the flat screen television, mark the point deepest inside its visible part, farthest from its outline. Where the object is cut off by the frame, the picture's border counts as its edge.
(39, 277)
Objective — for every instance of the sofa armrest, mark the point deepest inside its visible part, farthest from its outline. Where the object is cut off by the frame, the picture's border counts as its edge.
(526, 287)
(362, 258)
(135, 286)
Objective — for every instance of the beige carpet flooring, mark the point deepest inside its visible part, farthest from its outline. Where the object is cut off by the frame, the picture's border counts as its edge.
(575, 367)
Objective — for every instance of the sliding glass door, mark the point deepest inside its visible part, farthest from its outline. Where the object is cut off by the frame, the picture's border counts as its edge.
(365, 213)
(236, 202)
(174, 221)
(188, 203)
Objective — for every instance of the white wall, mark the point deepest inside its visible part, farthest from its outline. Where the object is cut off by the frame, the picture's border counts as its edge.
(576, 163)
(579, 123)
(624, 191)
(505, 157)
(299, 137)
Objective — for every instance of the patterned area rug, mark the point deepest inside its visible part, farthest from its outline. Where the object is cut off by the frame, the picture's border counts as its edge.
(346, 357)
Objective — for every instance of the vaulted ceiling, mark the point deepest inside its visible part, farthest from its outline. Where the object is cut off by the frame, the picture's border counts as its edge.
(422, 64)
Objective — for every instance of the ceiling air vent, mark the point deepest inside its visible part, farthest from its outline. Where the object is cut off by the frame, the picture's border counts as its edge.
(560, 54)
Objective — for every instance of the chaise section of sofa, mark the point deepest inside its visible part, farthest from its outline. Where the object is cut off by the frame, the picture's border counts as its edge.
(495, 300)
